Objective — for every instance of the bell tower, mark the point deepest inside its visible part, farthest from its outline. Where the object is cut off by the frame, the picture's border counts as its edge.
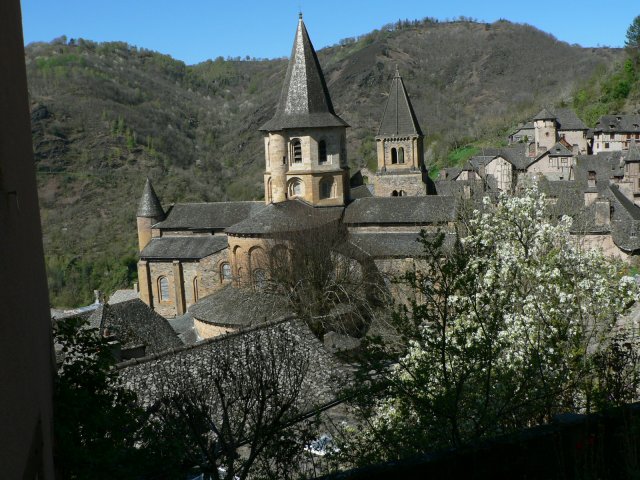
(305, 141)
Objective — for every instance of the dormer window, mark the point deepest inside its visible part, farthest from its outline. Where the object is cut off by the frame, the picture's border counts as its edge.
(322, 151)
(591, 182)
(296, 150)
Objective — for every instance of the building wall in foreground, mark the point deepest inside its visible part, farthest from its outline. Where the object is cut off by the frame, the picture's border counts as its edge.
(26, 353)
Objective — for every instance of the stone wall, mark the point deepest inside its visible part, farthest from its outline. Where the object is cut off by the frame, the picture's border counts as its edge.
(384, 185)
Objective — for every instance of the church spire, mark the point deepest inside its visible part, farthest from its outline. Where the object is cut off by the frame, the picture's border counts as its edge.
(398, 117)
(304, 101)
(149, 206)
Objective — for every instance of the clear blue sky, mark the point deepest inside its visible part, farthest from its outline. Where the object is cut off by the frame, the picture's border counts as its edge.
(195, 30)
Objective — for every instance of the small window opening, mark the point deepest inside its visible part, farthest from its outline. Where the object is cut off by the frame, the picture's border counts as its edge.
(297, 151)
(163, 288)
(322, 151)
(394, 156)
(225, 272)
(401, 155)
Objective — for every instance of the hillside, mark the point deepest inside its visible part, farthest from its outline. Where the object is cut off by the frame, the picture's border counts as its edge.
(107, 115)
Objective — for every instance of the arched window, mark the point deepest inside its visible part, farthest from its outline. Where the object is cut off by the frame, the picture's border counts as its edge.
(195, 289)
(296, 187)
(322, 151)
(269, 190)
(402, 193)
(225, 272)
(394, 193)
(401, 155)
(394, 156)
(326, 188)
(260, 279)
(296, 151)
(163, 289)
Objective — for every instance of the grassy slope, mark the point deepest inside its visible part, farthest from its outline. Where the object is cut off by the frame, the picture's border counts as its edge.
(105, 116)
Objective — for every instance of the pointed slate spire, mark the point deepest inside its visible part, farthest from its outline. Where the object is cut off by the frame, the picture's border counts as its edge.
(304, 101)
(544, 115)
(149, 205)
(399, 117)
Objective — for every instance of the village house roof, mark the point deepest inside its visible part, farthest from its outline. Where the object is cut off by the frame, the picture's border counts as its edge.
(633, 154)
(135, 324)
(361, 191)
(238, 307)
(568, 120)
(149, 205)
(399, 118)
(618, 123)
(560, 150)
(625, 221)
(544, 114)
(184, 327)
(183, 248)
(160, 375)
(208, 216)
(401, 210)
(304, 101)
(289, 216)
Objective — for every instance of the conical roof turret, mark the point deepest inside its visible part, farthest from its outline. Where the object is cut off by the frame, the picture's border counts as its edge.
(399, 117)
(149, 205)
(304, 101)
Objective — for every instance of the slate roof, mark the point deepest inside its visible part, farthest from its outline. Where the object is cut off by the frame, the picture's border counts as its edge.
(162, 375)
(618, 123)
(149, 205)
(625, 221)
(135, 324)
(185, 328)
(398, 118)
(238, 307)
(184, 248)
(208, 216)
(391, 244)
(544, 114)
(304, 101)
(633, 154)
(568, 120)
(122, 296)
(361, 191)
(560, 149)
(401, 210)
(289, 216)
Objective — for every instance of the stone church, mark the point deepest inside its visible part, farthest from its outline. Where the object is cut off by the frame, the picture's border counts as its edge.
(207, 261)
(193, 250)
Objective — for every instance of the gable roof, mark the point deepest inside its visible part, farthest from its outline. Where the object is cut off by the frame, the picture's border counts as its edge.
(135, 324)
(289, 216)
(618, 123)
(560, 149)
(398, 117)
(208, 216)
(159, 375)
(149, 205)
(568, 120)
(401, 210)
(185, 248)
(304, 101)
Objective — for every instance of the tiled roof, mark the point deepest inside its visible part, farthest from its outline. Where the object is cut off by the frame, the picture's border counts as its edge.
(238, 307)
(288, 216)
(185, 248)
(401, 210)
(391, 244)
(568, 120)
(560, 149)
(122, 296)
(618, 123)
(544, 114)
(360, 191)
(159, 376)
(149, 205)
(399, 118)
(208, 216)
(135, 324)
(304, 101)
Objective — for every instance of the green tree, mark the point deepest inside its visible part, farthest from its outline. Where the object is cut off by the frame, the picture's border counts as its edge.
(511, 327)
(100, 431)
(633, 34)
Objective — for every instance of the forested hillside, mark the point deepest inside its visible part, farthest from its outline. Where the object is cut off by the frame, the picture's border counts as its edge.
(106, 115)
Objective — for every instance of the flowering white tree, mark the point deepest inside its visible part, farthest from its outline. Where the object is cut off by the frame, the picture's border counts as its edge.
(509, 330)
